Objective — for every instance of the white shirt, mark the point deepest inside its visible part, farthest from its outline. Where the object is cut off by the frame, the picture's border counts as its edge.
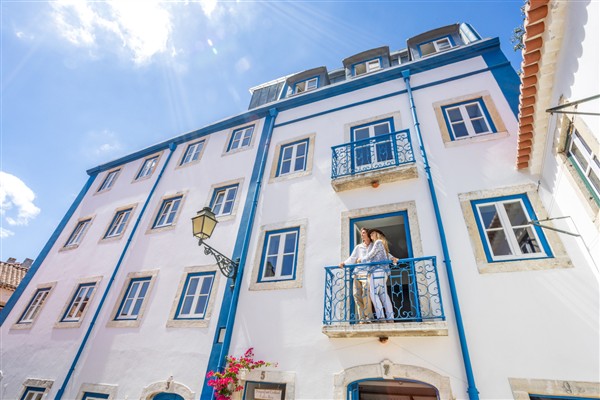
(359, 253)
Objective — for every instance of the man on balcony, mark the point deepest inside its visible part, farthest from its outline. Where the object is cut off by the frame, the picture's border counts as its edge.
(360, 288)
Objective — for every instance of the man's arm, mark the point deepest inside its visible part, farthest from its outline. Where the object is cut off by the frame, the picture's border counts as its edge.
(352, 259)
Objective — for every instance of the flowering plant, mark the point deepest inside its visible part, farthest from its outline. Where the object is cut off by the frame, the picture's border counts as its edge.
(226, 383)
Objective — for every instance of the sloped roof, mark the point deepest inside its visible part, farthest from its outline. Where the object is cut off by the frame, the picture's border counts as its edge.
(11, 275)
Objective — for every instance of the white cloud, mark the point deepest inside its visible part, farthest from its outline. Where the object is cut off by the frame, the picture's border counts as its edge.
(16, 202)
(208, 6)
(101, 145)
(4, 233)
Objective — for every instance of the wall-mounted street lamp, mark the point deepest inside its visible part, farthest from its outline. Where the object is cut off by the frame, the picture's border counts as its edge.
(203, 225)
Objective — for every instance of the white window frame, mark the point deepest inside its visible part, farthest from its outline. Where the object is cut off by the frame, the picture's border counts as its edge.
(33, 393)
(220, 200)
(192, 152)
(109, 180)
(35, 305)
(79, 303)
(466, 120)
(306, 85)
(134, 296)
(241, 138)
(78, 233)
(202, 277)
(593, 164)
(437, 45)
(370, 66)
(147, 167)
(118, 223)
(168, 210)
(283, 235)
(293, 157)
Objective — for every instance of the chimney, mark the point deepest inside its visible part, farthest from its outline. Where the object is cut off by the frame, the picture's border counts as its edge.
(27, 263)
(11, 260)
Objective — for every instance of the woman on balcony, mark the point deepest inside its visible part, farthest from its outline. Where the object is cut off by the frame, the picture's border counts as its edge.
(379, 274)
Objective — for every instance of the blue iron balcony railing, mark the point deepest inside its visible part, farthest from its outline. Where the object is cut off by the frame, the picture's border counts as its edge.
(411, 286)
(381, 151)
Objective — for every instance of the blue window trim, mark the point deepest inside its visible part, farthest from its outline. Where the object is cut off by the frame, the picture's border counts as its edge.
(284, 146)
(162, 206)
(390, 120)
(114, 172)
(112, 222)
(547, 396)
(45, 289)
(32, 389)
(353, 386)
(185, 153)
(137, 176)
(353, 66)
(81, 285)
(295, 84)
(264, 252)
(184, 291)
(449, 37)
(220, 189)
(233, 136)
(486, 113)
(71, 236)
(131, 282)
(402, 213)
(88, 395)
(523, 197)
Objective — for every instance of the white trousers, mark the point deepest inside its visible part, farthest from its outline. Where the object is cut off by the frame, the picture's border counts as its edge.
(379, 296)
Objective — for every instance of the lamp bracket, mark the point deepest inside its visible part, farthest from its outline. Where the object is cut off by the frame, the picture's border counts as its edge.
(228, 267)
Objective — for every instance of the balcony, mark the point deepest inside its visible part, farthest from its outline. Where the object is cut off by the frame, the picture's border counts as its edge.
(413, 289)
(382, 158)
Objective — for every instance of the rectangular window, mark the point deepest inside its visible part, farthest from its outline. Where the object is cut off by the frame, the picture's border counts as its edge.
(585, 162)
(78, 233)
(167, 212)
(468, 119)
(33, 393)
(79, 302)
(279, 255)
(196, 292)
(435, 46)
(241, 138)
(505, 229)
(223, 200)
(373, 144)
(292, 158)
(35, 306)
(147, 167)
(109, 180)
(117, 226)
(192, 153)
(307, 85)
(134, 299)
(94, 396)
(366, 67)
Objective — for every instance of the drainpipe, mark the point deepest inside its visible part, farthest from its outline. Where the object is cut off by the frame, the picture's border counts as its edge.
(471, 389)
(62, 389)
(229, 311)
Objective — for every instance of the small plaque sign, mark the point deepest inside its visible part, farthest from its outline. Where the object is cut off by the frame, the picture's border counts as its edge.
(267, 394)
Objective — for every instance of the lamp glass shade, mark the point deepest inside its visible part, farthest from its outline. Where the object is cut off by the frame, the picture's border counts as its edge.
(203, 224)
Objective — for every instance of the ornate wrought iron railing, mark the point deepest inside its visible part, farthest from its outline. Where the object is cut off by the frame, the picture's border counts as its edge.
(411, 285)
(371, 154)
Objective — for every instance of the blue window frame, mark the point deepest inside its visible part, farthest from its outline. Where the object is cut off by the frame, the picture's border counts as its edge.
(293, 157)
(94, 396)
(435, 46)
(306, 85)
(118, 224)
(147, 167)
(109, 180)
(79, 302)
(77, 234)
(468, 119)
(586, 163)
(167, 213)
(505, 229)
(279, 255)
(549, 397)
(367, 66)
(134, 297)
(35, 306)
(223, 200)
(192, 153)
(373, 143)
(241, 138)
(193, 301)
(33, 393)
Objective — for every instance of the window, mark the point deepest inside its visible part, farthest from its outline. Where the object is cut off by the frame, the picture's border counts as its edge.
(94, 396)
(586, 163)
(241, 138)
(305, 86)
(468, 119)
(78, 233)
(33, 393)
(35, 306)
(264, 390)
(79, 302)
(223, 200)
(196, 293)
(505, 229)
(192, 153)
(134, 298)
(435, 46)
(168, 212)
(147, 167)
(372, 144)
(118, 224)
(366, 67)
(109, 180)
(279, 255)
(292, 158)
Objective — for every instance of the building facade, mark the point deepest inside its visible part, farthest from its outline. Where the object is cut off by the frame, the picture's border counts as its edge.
(419, 143)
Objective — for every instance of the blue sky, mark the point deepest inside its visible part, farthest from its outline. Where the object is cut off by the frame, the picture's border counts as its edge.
(85, 83)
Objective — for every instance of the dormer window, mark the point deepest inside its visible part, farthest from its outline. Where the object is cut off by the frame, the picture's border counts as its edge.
(435, 46)
(367, 67)
(307, 85)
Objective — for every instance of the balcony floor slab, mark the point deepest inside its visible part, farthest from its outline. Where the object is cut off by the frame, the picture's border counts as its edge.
(427, 328)
(385, 175)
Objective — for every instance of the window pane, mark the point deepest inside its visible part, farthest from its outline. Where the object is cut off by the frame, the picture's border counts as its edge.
(381, 129)
(270, 267)
(299, 163)
(515, 213)
(454, 114)
(361, 133)
(499, 243)
(290, 243)
(285, 167)
(579, 156)
(138, 305)
(192, 286)
(273, 244)
(594, 180)
(526, 239)
(206, 285)
(287, 266)
(490, 217)
(187, 305)
(360, 69)
(473, 111)
(480, 126)
(201, 305)
(427, 48)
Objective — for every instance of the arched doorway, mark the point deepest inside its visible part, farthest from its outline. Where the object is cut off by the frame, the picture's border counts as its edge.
(391, 389)
(167, 396)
